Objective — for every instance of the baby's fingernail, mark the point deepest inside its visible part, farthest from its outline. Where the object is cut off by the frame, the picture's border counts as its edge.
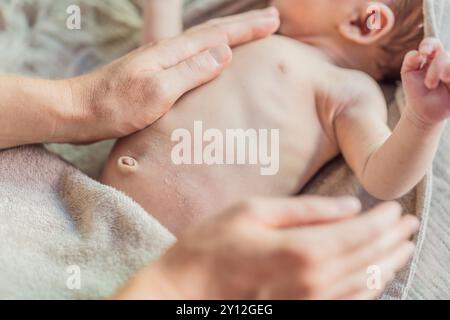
(220, 54)
(423, 61)
(349, 203)
(427, 48)
(433, 85)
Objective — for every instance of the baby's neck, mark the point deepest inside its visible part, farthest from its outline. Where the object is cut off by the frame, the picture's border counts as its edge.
(337, 55)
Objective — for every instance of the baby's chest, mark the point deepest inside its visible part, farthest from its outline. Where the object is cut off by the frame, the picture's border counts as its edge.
(269, 85)
(277, 93)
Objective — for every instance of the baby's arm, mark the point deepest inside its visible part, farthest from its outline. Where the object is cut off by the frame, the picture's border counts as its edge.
(162, 19)
(391, 164)
(387, 164)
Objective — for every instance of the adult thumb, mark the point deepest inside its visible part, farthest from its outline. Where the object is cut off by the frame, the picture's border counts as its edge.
(305, 210)
(196, 70)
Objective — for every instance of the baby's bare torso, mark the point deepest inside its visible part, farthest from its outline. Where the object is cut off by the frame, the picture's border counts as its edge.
(276, 83)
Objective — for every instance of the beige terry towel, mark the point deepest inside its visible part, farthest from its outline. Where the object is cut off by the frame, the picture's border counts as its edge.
(57, 224)
(431, 278)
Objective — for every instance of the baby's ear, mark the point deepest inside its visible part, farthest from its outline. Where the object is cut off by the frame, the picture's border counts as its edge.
(368, 26)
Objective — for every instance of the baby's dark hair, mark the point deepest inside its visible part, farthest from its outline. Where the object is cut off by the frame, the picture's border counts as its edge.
(407, 34)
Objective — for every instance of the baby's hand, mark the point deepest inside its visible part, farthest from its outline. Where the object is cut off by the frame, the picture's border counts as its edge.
(426, 81)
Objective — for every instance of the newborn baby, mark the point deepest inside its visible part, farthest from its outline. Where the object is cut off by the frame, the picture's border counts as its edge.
(312, 89)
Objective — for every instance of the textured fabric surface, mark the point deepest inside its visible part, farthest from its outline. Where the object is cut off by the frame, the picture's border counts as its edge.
(56, 224)
(432, 280)
(39, 43)
(437, 20)
(432, 276)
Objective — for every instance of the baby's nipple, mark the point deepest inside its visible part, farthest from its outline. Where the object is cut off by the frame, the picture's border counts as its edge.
(127, 164)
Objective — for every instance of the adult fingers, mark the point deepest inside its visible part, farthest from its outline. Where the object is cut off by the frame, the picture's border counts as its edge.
(242, 28)
(231, 31)
(270, 11)
(365, 256)
(346, 236)
(195, 71)
(296, 212)
(369, 285)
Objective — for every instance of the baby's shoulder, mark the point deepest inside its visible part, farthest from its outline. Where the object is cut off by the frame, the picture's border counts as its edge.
(354, 88)
(356, 83)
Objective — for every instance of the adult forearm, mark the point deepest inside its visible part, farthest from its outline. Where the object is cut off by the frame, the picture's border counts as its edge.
(402, 161)
(35, 111)
(147, 284)
(127, 95)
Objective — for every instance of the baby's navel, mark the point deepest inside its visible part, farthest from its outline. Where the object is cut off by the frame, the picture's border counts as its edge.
(127, 164)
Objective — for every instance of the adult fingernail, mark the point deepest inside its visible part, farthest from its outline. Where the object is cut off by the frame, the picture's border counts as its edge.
(410, 247)
(271, 12)
(414, 224)
(393, 207)
(221, 53)
(349, 203)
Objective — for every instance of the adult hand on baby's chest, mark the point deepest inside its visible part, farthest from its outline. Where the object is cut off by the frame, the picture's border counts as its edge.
(136, 90)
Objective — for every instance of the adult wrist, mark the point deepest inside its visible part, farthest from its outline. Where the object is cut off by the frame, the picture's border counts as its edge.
(148, 284)
(75, 118)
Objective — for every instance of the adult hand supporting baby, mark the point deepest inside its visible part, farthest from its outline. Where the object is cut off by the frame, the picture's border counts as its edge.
(129, 94)
(303, 248)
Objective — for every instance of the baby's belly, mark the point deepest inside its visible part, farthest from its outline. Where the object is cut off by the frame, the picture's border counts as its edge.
(252, 132)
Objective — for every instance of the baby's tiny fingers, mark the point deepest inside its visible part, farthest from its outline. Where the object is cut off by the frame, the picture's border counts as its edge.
(432, 78)
(412, 61)
(430, 47)
(444, 67)
(439, 70)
